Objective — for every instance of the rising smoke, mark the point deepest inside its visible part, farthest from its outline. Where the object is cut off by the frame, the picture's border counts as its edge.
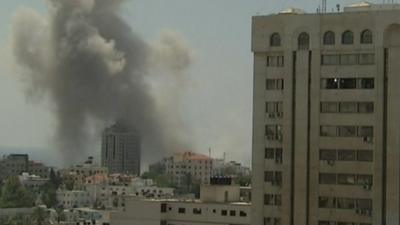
(86, 60)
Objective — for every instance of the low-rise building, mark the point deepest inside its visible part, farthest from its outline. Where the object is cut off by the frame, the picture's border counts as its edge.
(74, 199)
(32, 181)
(188, 167)
(231, 168)
(16, 164)
(219, 204)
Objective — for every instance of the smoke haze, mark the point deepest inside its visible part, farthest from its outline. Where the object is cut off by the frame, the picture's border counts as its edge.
(94, 69)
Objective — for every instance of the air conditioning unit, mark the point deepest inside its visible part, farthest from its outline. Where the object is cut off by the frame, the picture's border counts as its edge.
(330, 162)
(271, 115)
(280, 114)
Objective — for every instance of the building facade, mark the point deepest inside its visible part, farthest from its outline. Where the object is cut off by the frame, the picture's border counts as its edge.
(16, 164)
(218, 205)
(121, 149)
(190, 167)
(326, 121)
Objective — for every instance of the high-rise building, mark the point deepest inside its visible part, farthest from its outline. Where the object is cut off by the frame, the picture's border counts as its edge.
(326, 118)
(121, 149)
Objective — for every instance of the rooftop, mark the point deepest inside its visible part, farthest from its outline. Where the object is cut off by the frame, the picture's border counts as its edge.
(362, 6)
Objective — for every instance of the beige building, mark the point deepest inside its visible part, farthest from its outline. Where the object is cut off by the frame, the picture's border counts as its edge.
(191, 167)
(16, 164)
(326, 119)
(218, 205)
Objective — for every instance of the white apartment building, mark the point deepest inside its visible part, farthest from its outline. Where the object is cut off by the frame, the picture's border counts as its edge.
(218, 205)
(188, 165)
(32, 181)
(74, 199)
(326, 117)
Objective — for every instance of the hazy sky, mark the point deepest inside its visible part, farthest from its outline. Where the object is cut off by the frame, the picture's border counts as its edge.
(216, 106)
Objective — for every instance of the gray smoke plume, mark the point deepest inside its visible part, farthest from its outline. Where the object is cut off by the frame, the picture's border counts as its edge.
(91, 66)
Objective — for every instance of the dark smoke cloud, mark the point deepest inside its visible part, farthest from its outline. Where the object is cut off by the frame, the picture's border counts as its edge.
(92, 67)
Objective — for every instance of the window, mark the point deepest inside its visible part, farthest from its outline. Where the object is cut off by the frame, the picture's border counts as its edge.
(328, 131)
(366, 37)
(366, 59)
(345, 203)
(346, 179)
(303, 41)
(366, 131)
(364, 180)
(196, 211)
(281, 61)
(364, 204)
(327, 178)
(270, 84)
(275, 40)
(232, 213)
(326, 202)
(365, 155)
(181, 210)
(275, 61)
(242, 214)
(348, 83)
(329, 107)
(269, 153)
(327, 154)
(348, 59)
(367, 83)
(346, 155)
(274, 84)
(271, 199)
(330, 83)
(348, 107)
(268, 176)
(270, 107)
(365, 107)
(278, 156)
(270, 130)
(279, 84)
(347, 131)
(329, 38)
(330, 59)
(163, 207)
(224, 212)
(347, 38)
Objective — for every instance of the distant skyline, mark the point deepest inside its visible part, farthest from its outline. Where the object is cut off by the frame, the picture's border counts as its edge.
(217, 106)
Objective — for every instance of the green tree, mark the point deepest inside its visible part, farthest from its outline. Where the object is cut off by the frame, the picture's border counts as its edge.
(14, 195)
(39, 216)
(49, 194)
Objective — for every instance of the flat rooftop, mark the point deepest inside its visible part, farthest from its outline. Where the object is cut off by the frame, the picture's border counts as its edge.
(356, 7)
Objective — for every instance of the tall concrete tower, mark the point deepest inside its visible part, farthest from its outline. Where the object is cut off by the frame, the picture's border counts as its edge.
(121, 149)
